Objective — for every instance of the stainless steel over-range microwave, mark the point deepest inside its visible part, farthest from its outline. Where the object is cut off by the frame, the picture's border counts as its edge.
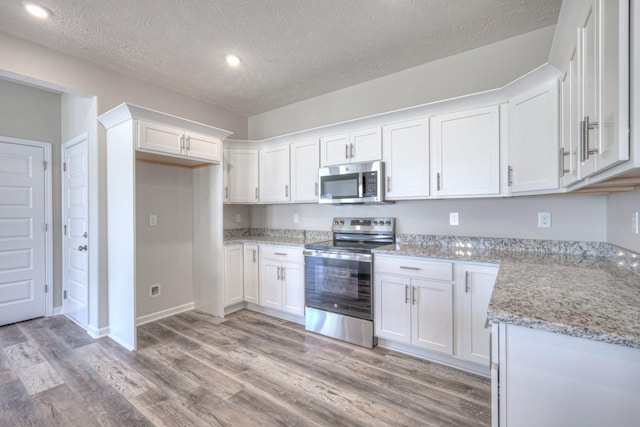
(352, 183)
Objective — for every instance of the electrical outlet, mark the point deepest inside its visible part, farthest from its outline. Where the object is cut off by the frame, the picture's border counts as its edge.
(153, 220)
(454, 218)
(238, 217)
(544, 219)
(154, 290)
(296, 218)
(634, 223)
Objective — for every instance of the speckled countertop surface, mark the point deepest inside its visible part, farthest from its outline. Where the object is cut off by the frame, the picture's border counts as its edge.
(266, 240)
(577, 295)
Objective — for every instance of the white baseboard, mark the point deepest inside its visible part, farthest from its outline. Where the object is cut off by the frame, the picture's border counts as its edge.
(94, 332)
(164, 313)
(57, 310)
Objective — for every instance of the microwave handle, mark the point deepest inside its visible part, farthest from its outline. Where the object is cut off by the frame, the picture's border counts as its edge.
(363, 184)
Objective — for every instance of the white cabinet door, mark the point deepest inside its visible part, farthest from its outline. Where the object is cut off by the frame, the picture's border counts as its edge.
(270, 284)
(225, 175)
(569, 123)
(251, 274)
(335, 150)
(406, 156)
(156, 137)
(392, 308)
(533, 139)
(243, 175)
(432, 315)
(614, 82)
(478, 287)
(466, 153)
(366, 145)
(589, 90)
(274, 174)
(305, 161)
(293, 291)
(233, 275)
(203, 147)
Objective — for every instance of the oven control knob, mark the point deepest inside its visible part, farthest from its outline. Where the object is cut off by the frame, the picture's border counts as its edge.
(336, 222)
(341, 222)
(375, 223)
(387, 223)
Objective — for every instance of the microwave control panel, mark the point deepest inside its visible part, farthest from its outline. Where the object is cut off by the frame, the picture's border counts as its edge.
(370, 184)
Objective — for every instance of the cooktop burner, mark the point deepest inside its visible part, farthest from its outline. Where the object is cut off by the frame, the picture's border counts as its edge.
(359, 235)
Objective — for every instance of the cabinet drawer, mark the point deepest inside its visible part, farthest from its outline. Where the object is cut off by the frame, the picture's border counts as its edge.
(282, 253)
(414, 267)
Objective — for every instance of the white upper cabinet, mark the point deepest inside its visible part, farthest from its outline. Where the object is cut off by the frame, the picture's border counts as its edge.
(242, 175)
(305, 161)
(603, 53)
(164, 139)
(274, 174)
(533, 139)
(406, 156)
(359, 146)
(466, 153)
(569, 129)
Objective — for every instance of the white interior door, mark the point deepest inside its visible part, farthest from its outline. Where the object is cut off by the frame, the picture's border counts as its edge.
(75, 272)
(23, 255)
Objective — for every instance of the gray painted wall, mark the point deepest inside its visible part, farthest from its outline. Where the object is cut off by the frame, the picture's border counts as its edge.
(620, 207)
(573, 217)
(477, 70)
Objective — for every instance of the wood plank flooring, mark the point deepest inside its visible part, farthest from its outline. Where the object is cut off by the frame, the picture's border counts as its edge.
(250, 369)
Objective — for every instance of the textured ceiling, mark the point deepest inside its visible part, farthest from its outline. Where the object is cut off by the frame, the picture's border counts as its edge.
(291, 49)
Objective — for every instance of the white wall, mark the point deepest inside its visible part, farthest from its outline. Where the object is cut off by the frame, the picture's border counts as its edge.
(22, 58)
(620, 207)
(31, 113)
(573, 217)
(164, 254)
(477, 70)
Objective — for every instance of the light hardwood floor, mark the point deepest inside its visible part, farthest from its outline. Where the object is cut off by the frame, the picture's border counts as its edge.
(251, 369)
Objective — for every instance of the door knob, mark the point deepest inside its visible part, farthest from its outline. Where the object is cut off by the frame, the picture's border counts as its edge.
(82, 248)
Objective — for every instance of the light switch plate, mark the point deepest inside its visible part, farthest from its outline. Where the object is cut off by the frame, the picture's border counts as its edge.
(153, 220)
(634, 223)
(238, 217)
(454, 218)
(296, 218)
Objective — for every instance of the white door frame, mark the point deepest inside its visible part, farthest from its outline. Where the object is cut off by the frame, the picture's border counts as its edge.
(48, 214)
(73, 141)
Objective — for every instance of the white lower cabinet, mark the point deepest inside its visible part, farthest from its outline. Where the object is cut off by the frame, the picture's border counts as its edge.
(233, 275)
(414, 302)
(250, 265)
(281, 281)
(541, 378)
(478, 282)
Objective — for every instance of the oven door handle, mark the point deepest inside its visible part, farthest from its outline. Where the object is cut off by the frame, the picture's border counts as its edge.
(338, 255)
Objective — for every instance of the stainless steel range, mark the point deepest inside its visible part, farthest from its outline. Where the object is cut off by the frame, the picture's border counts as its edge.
(339, 279)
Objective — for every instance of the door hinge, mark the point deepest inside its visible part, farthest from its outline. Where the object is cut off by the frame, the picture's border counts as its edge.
(65, 229)
(45, 227)
(64, 295)
(46, 288)
(44, 164)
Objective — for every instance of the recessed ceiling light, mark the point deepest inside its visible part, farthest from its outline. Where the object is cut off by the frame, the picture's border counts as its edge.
(36, 10)
(232, 60)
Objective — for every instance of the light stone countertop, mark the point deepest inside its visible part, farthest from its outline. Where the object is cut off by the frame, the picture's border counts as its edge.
(266, 240)
(582, 296)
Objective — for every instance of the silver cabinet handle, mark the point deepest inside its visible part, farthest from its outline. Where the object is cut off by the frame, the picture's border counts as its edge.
(282, 272)
(586, 127)
(413, 295)
(353, 151)
(278, 274)
(188, 143)
(254, 255)
(82, 248)
(182, 142)
(406, 294)
(346, 151)
(466, 282)
(509, 176)
(388, 183)
(280, 253)
(438, 181)
(286, 191)
(226, 192)
(256, 193)
(404, 267)
(316, 187)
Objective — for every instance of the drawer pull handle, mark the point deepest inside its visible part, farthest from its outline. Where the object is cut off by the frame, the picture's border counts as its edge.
(280, 253)
(404, 267)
